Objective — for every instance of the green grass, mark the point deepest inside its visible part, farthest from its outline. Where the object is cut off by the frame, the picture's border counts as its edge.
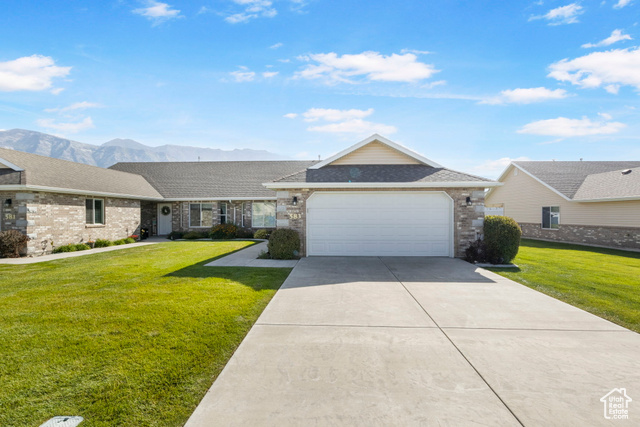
(605, 282)
(132, 337)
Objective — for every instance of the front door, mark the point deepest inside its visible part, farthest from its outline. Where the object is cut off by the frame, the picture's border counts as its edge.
(164, 218)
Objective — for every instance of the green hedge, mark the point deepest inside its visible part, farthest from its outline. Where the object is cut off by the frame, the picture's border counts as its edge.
(263, 233)
(72, 247)
(223, 231)
(102, 243)
(284, 243)
(501, 239)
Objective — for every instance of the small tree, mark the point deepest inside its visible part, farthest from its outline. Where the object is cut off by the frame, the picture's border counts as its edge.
(12, 242)
(501, 239)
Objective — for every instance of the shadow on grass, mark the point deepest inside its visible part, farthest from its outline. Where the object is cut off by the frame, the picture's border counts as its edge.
(544, 244)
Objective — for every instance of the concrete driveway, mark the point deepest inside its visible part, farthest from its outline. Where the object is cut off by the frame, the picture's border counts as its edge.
(420, 341)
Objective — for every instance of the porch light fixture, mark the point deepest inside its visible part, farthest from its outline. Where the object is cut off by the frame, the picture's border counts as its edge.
(468, 201)
(7, 203)
(294, 201)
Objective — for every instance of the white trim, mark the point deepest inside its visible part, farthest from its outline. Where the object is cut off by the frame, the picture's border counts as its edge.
(451, 212)
(357, 185)
(10, 165)
(532, 176)
(215, 199)
(29, 187)
(612, 199)
(383, 140)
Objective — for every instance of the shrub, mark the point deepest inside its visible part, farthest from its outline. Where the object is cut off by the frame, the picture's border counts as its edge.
(119, 242)
(284, 243)
(244, 233)
(476, 252)
(12, 242)
(64, 248)
(130, 240)
(224, 231)
(263, 233)
(174, 235)
(82, 247)
(193, 235)
(102, 243)
(501, 239)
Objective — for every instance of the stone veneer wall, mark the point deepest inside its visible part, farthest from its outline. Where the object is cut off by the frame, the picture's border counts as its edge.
(9, 215)
(615, 237)
(468, 220)
(52, 219)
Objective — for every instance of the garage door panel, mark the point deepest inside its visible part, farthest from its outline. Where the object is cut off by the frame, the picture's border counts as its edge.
(379, 224)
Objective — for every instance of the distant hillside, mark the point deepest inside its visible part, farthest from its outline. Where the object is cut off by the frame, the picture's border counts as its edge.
(119, 150)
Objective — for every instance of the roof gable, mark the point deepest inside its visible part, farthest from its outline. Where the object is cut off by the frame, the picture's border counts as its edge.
(376, 150)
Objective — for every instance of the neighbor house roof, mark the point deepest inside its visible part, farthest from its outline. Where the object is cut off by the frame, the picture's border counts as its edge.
(213, 180)
(25, 171)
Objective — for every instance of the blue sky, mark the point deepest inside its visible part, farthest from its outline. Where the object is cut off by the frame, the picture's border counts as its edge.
(470, 85)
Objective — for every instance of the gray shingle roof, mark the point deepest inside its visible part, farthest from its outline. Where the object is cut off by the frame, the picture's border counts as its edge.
(610, 185)
(200, 180)
(568, 177)
(381, 173)
(55, 173)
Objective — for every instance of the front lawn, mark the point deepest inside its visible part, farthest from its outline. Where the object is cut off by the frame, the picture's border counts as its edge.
(132, 337)
(605, 282)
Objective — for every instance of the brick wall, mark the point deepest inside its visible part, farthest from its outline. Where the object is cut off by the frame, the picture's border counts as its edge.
(615, 237)
(235, 212)
(468, 220)
(51, 219)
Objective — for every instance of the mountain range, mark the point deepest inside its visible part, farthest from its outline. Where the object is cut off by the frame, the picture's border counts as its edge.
(119, 150)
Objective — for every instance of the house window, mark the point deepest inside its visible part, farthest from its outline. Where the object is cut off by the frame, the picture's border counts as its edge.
(550, 217)
(242, 214)
(223, 213)
(263, 214)
(95, 211)
(200, 215)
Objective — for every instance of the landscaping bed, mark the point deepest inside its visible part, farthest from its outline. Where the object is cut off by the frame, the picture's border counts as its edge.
(123, 338)
(605, 282)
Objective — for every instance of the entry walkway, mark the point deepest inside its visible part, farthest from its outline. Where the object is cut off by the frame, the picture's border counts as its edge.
(249, 258)
(420, 341)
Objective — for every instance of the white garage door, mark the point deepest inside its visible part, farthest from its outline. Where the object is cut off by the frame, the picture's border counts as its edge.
(379, 224)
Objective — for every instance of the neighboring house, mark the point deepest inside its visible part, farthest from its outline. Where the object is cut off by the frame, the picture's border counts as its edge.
(375, 198)
(595, 203)
(56, 202)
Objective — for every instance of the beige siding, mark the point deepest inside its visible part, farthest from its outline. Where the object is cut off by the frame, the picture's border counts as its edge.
(376, 153)
(523, 198)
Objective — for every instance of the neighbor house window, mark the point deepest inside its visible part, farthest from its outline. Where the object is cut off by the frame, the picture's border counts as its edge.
(95, 211)
(223, 213)
(263, 214)
(550, 217)
(200, 215)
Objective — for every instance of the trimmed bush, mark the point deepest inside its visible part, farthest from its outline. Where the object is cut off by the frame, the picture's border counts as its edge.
(12, 242)
(193, 235)
(119, 242)
(82, 247)
(102, 243)
(223, 231)
(65, 248)
(244, 233)
(129, 240)
(476, 252)
(175, 235)
(501, 239)
(263, 233)
(284, 243)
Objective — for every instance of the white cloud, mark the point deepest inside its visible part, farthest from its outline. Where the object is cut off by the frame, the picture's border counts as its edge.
(525, 96)
(269, 74)
(243, 75)
(333, 115)
(343, 121)
(371, 66)
(252, 9)
(564, 127)
(562, 15)
(276, 46)
(611, 69)
(616, 36)
(621, 4)
(30, 73)
(77, 106)
(157, 12)
(87, 123)
(57, 91)
(417, 52)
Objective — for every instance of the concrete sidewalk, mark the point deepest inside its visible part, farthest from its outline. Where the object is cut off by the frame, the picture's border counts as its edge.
(249, 258)
(420, 341)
